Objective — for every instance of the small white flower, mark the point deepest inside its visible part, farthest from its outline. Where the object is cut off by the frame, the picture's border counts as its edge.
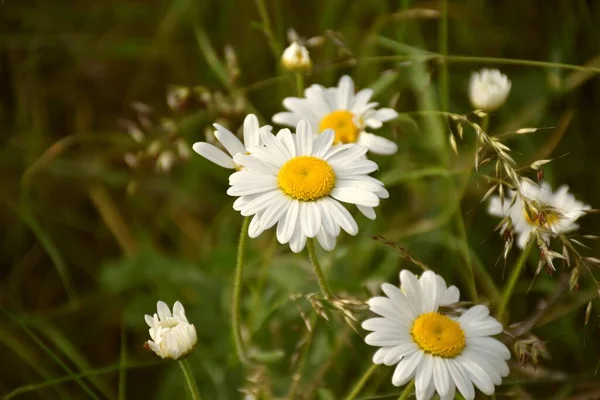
(172, 335)
(349, 114)
(298, 182)
(295, 58)
(231, 143)
(488, 89)
(554, 213)
(441, 352)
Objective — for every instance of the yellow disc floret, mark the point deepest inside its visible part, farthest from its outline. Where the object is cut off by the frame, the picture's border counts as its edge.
(543, 218)
(438, 335)
(342, 122)
(306, 178)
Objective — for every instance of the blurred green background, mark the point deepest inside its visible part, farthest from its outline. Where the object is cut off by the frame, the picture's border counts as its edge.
(89, 244)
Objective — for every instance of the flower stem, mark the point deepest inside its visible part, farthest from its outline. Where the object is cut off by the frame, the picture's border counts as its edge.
(237, 292)
(268, 28)
(299, 84)
(312, 255)
(189, 378)
(513, 278)
(407, 390)
(361, 382)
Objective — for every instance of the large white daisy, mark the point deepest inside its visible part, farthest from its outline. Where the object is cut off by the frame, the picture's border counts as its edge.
(297, 182)
(441, 352)
(340, 109)
(551, 212)
(231, 143)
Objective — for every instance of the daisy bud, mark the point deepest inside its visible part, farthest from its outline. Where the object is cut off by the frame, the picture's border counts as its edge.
(296, 58)
(488, 89)
(173, 337)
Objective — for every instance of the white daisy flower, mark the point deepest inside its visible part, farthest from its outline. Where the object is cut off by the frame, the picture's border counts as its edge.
(298, 181)
(554, 213)
(231, 143)
(296, 58)
(488, 89)
(340, 109)
(439, 351)
(172, 335)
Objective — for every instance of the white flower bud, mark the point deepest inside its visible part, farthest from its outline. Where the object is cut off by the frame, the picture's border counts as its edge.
(488, 89)
(172, 335)
(296, 58)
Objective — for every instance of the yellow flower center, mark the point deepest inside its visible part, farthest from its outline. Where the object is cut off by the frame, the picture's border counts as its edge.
(542, 218)
(438, 335)
(306, 178)
(342, 122)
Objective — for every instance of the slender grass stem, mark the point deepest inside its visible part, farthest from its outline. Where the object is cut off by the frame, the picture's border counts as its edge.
(299, 84)
(264, 16)
(308, 340)
(443, 46)
(512, 279)
(312, 255)
(237, 292)
(407, 390)
(361, 382)
(189, 378)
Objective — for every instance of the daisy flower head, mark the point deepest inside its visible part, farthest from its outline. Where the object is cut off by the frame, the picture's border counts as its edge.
(349, 114)
(173, 337)
(441, 352)
(550, 212)
(488, 89)
(297, 181)
(231, 143)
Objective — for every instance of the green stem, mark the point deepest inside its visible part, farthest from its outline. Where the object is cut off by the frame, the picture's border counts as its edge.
(512, 280)
(264, 16)
(312, 255)
(469, 276)
(443, 44)
(407, 390)
(189, 378)
(299, 84)
(237, 292)
(361, 382)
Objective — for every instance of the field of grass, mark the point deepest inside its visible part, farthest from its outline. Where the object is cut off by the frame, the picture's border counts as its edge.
(93, 233)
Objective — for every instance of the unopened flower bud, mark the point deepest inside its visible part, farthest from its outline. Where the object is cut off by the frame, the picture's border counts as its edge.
(295, 58)
(488, 89)
(172, 335)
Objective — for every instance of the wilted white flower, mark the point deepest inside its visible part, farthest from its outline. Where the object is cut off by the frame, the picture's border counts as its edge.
(441, 352)
(172, 335)
(298, 182)
(488, 89)
(551, 213)
(232, 144)
(296, 58)
(349, 114)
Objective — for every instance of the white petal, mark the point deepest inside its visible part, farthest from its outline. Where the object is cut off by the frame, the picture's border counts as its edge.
(298, 240)
(326, 240)
(361, 167)
(310, 218)
(329, 224)
(400, 302)
(441, 377)
(432, 293)
(274, 212)
(323, 143)
(423, 376)
(304, 138)
(361, 99)
(275, 146)
(163, 310)
(345, 92)
(286, 139)
(287, 225)
(406, 369)
(377, 144)
(486, 327)
(351, 153)
(380, 354)
(386, 114)
(399, 352)
(251, 131)
(412, 288)
(355, 196)
(386, 338)
(255, 229)
(232, 144)
(489, 346)
(451, 296)
(179, 311)
(477, 375)
(287, 118)
(476, 313)
(149, 321)
(256, 164)
(301, 107)
(341, 216)
(368, 212)
(461, 379)
(258, 203)
(384, 307)
(213, 154)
